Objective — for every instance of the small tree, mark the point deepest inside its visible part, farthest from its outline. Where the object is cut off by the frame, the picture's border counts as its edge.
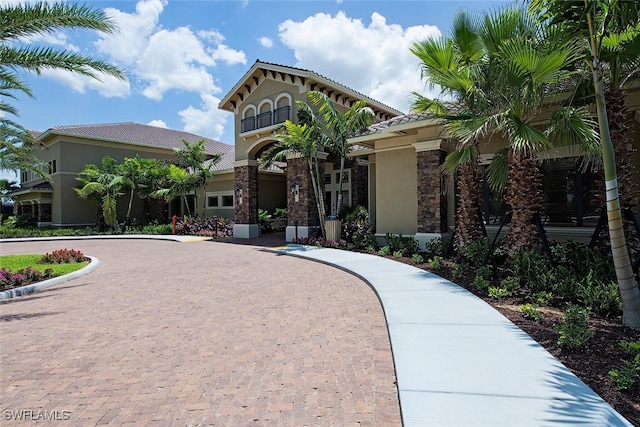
(105, 183)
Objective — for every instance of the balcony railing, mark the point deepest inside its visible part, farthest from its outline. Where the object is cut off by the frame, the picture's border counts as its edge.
(262, 120)
(281, 115)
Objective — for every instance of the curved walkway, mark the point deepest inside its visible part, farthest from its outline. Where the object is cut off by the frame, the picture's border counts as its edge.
(198, 333)
(244, 338)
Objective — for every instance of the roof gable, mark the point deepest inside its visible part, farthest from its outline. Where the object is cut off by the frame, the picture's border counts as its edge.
(309, 80)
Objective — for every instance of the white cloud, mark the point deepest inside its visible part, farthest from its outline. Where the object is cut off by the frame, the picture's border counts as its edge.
(134, 29)
(106, 85)
(208, 120)
(265, 42)
(158, 124)
(373, 59)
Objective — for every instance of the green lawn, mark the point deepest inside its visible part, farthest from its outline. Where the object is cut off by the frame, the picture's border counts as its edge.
(16, 262)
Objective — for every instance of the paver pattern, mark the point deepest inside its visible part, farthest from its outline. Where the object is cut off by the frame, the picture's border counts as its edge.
(200, 333)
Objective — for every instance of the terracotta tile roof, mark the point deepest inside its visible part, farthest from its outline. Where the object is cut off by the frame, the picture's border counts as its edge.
(406, 118)
(139, 134)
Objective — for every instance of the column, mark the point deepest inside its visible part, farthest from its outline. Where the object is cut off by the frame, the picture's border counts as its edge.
(246, 225)
(432, 202)
(302, 209)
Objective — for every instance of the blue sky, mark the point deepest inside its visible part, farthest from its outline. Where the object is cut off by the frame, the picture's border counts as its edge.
(182, 57)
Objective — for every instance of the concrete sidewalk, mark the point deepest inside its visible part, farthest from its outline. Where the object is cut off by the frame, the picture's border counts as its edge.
(458, 361)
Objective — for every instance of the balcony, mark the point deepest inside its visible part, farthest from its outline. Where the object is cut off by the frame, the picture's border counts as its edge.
(266, 119)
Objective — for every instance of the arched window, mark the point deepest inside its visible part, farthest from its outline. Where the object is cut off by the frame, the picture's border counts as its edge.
(248, 122)
(265, 114)
(282, 111)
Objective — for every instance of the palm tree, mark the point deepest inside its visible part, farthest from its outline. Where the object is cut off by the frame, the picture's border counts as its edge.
(198, 163)
(178, 183)
(595, 18)
(340, 127)
(305, 139)
(129, 170)
(457, 65)
(104, 183)
(527, 64)
(146, 185)
(17, 22)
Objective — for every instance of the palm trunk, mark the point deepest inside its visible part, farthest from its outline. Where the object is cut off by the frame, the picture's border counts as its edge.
(629, 291)
(339, 196)
(129, 208)
(524, 196)
(468, 228)
(315, 174)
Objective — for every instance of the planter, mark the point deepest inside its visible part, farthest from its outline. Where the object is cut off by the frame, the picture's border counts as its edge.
(333, 228)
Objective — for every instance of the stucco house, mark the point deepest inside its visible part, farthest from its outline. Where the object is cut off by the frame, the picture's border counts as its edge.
(67, 149)
(264, 97)
(394, 169)
(399, 158)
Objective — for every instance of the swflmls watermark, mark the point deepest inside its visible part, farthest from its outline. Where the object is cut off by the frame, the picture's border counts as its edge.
(35, 415)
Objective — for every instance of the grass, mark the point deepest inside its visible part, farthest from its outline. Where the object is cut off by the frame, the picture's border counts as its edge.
(16, 262)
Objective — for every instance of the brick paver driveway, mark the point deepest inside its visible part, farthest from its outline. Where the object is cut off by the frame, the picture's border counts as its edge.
(201, 333)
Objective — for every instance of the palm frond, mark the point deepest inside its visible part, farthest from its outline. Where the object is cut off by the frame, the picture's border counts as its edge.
(497, 173)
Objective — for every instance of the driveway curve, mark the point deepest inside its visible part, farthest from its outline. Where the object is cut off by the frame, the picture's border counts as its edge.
(199, 333)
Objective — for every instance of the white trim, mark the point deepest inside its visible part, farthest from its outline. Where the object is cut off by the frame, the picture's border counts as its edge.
(219, 195)
(246, 162)
(283, 95)
(250, 106)
(428, 145)
(268, 102)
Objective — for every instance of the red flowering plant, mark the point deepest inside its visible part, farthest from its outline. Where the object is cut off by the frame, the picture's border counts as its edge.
(62, 256)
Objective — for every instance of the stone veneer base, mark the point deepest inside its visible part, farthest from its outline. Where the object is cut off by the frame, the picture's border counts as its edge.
(246, 231)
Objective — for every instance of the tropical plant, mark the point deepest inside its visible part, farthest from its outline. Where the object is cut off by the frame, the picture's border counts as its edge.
(105, 184)
(19, 21)
(195, 160)
(456, 64)
(306, 139)
(603, 24)
(176, 182)
(340, 127)
(129, 170)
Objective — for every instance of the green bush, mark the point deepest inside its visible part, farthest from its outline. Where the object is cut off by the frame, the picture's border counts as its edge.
(398, 253)
(437, 246)
(530, 311)
(475, 253)
(417, 259)
(436, 262)
(385, 250)
(408, 244)
(574, 330)
(544, 298)
(625, 377)
(498, 293)
(602, 298)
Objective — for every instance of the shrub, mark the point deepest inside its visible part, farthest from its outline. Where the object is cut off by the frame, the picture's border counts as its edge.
(398, 253)
(475, 253)
(602, 298)
(628, 375)
(385, 250)
(480, 282)
(510, 283)
(356, 228)
(544, 298)
(436, 262)
(498, 293)
(459, 270)
(574, 329)
(62, 256)
(205, 226)
(22, 277)
(408, 244)
(437, 246)
(530, 311)
(417, 259)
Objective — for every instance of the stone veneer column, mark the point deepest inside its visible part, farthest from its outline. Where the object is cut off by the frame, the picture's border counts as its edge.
(302, 210)
(246, 225)
(359, 183)
(432, 202)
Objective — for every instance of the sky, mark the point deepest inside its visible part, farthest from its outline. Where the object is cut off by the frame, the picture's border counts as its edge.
(182, 57)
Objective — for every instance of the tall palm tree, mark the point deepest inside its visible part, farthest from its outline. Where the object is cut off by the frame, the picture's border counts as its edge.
(306, 139)
(340, 127)
(457, 65)
(105, 183)
(17, 22)
(592, 19)
(178, 183)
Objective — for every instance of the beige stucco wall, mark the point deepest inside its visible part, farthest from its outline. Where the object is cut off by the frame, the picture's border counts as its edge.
(396, 195)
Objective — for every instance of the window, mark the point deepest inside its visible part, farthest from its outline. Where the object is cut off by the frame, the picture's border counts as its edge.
(570, 195)
(52, 167)
(227, 201)
(212, 201)
(220, 200)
